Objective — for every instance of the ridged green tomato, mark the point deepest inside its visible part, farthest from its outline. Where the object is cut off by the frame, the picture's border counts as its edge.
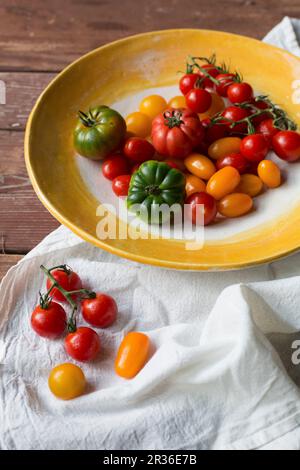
(99, 132)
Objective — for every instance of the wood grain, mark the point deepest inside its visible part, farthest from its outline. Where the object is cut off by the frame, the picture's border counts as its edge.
(6, 262)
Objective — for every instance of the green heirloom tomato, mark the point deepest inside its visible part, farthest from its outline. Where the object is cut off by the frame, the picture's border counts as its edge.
(153, 185)
(99, 132)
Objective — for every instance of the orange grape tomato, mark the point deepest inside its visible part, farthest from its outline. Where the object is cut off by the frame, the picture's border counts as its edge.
(153, 105)
(249, 184)
(200, 165)
(132, 354)
(235, 204)
(223, 182)
(217, 105)
(223, 147)
(269, 173)
(193, 184)
(67, 381)
(177, 102)
(138, 124)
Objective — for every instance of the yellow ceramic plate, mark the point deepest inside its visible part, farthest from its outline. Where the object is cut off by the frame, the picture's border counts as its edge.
(121, 73)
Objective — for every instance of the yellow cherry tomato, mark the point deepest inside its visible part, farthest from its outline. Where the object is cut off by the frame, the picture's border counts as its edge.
(132, 354)
(235, 205)
(223, 147)
(177, 102)
(269, 173)
(249, 184)
(223, 182)
(217, 105)
(193, 184)
(153, 105)
(138, 124)
(200, 165)
(67, 381)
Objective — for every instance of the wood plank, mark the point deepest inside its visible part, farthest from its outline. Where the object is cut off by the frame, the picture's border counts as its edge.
(6, 262)
(48, 35)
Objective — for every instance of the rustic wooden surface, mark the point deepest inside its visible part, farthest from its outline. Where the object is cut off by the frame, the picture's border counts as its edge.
(40, 37)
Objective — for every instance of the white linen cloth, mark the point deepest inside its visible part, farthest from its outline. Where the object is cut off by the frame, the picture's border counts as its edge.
(221, 376)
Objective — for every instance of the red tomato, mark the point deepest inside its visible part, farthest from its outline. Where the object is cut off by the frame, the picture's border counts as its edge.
(237, 160)
(202, 202)
(215, 132)
(225, 79)
(260, 104)
(114, 166)
(138, 150)
(213, 72)
(267, 128)
(240, 92)
(120, 185)
(233, 114)
(254, 147)
(198, 100)
(286, 145)
(175, 133)
(49, 322)
(135, 168)
(101, 311)
(68, 280)
(187, 82)
(83, 344)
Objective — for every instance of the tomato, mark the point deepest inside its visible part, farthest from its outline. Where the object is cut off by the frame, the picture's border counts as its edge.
(217, 105)
(138, 150)
(286, 144)
(176, 132)
(198, 100)
(67, 279)
(223, 182)
(225, 79)
(135, 168)
(98, 132)
(187, 82)
(200, 165)
(235, 205)
(203, 208)
(138, 124)
(237, 160)
(120, 185)
(132, 354)
(233, 114)
(193, 184)
(177, 102)
(254, 147)
(153, 105)
(176, 163)
(83, 344)
(268, 129)
(269, 173)
(114, 166)
(100, 311)
(49, 321)
(213, 72)
(260, 104)
(249, 184)
(223, 147)
(240, 92)
(215, 132)
(67, 381)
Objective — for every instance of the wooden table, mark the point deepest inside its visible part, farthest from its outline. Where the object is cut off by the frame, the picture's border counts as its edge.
(38, 38)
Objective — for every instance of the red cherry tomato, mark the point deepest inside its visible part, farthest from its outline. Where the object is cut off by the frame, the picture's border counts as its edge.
(120, 185)
(260, 104)
(286, 145)
(187, 82)
(135, 168)
(202, 203)
(138, 150)
(49, 322)
(198, 100)
(213, 72)
(237, 160)
(225, 79)
(215, 132)
(240, 92)
(254, 147)
(114, 166)
(83, 344)
(267, 128)
(67, 279)
(233, 114)
(101, 311)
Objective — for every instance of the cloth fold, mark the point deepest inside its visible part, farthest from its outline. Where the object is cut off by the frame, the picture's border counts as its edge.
(221, 375)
